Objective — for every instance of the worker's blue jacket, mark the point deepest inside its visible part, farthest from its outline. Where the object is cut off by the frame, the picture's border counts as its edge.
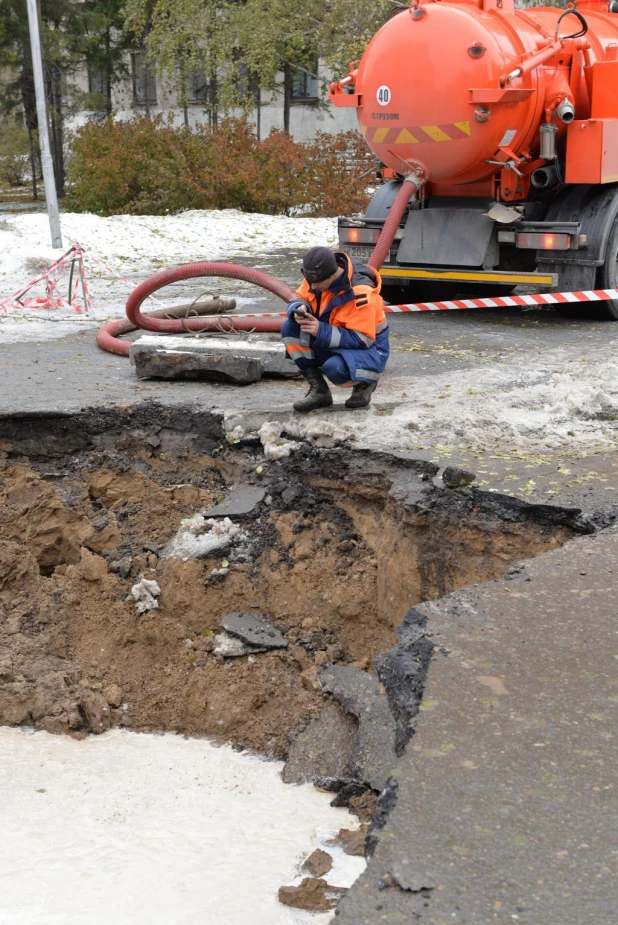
(352, 321)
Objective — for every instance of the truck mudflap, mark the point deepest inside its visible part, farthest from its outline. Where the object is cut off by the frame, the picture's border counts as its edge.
(457, 237)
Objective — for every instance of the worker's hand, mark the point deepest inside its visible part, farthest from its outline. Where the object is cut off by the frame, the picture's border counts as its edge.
(308, 323)
(297, 304)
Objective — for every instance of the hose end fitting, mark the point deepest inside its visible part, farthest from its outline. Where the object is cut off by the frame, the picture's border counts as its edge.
(565, 111)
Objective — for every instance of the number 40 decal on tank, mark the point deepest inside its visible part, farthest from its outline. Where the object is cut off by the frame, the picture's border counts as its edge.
(383, 95)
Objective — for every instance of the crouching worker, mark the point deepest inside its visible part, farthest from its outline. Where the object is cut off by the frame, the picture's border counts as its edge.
(336, 328)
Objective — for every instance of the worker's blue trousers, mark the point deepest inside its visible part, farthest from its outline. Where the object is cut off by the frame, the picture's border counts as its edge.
(301, 348)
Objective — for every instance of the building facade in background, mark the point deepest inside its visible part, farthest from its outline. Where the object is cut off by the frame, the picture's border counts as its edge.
(141, 92)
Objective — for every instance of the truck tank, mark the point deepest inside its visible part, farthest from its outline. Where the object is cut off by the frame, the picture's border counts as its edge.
(485, 104)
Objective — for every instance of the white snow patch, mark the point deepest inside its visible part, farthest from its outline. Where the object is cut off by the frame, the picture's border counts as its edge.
(555, 404)
(133, 829)
(230, 646)
(136, 246)
(145, 593)
(318, 432)
(195, 541)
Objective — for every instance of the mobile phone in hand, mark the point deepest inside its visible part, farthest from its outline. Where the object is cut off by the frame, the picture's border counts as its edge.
(301, 312)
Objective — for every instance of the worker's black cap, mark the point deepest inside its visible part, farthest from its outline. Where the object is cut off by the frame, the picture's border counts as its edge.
(318, 264)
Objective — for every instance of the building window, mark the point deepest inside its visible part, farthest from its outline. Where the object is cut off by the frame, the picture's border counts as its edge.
(97, 80)
(304, 85)
(144, 83)
(197, 88)
(247, 85)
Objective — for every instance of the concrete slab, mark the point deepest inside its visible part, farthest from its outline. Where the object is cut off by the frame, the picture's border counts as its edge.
(212, 357)
(504, 807)
(166, 363)
(241, 501)
(254, 630)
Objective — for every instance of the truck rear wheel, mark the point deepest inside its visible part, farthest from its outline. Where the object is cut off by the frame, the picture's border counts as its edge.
(607, 277)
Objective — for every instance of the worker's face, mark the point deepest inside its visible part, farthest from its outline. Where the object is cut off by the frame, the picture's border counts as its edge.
(326, 283)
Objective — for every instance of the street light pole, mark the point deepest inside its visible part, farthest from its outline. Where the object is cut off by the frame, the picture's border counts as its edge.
(47, 163)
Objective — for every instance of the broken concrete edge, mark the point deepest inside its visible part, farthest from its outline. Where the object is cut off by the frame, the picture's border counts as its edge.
(77, 431)
(359, 693)
(408, 481)
(403, 672)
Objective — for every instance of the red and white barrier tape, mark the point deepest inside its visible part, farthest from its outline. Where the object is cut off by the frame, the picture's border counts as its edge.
(512, 301)
(112, 272)
(78, 254)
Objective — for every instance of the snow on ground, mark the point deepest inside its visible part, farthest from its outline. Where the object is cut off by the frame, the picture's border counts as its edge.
(135, 247)
(128, 829)
(557, 403)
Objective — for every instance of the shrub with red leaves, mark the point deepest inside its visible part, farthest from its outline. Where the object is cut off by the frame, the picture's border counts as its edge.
(148, 166)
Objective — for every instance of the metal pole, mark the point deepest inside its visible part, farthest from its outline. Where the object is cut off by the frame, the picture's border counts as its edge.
(47, 163)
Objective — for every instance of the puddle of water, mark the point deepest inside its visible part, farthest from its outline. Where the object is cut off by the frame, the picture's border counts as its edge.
(137, 829)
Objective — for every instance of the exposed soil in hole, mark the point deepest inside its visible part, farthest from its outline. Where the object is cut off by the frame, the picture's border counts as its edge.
(341, 546)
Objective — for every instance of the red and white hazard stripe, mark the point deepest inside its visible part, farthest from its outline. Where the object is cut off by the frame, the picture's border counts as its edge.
(509, 301)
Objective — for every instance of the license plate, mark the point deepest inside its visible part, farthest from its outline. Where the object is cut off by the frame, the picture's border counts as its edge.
(361, 253)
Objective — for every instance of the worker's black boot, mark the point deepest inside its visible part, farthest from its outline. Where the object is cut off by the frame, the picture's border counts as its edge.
(318, 395)
(361, 395)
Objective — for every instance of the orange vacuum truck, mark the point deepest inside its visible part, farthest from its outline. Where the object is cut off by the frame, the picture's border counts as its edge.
(497, 132)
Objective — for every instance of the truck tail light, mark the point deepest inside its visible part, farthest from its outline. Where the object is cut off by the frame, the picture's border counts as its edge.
(548, 241)
(358, 235)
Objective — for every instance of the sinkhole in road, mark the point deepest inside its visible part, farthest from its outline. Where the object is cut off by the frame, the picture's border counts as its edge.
(325, 553)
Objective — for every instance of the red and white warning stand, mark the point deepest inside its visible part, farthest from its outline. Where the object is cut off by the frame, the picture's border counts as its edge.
(77, 289)
(77, 298)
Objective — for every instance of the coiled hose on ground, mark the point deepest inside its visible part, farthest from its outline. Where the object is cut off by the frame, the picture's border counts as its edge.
(108, 336)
